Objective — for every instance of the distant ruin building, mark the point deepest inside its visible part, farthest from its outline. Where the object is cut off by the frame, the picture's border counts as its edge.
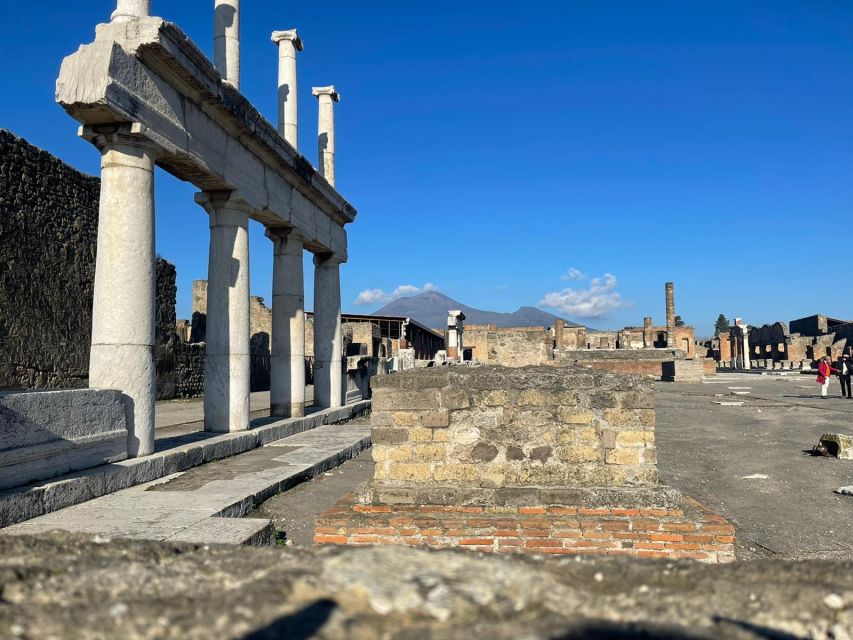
(780, 345)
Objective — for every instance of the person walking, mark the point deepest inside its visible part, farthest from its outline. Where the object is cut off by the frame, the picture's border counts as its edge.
(845, 373)
(824, 373)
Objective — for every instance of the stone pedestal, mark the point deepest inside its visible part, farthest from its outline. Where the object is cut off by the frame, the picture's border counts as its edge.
(227, 361)
(122, 354)
(327, 333)
(556, 460)
(287, 365)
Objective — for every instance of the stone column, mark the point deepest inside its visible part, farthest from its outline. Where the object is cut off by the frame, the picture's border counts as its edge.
(288, 105)
(558, 334)
(670, 315)
(287, 362)
(747, 355)
(326, 131)
(328, 348)
(123, 307)
(226, 44)
(127, 10)
(648, 334)
(227, 362)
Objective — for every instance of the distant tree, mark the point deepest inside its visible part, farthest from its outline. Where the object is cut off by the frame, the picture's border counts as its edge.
(678, 321)
(722, 325)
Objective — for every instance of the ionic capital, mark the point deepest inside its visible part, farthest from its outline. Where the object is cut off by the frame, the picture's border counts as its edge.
(327, 91)
(289, 35)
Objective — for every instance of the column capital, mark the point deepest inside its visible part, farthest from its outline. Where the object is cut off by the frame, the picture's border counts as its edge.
(132, 134)
(290, 35)
(214, 201)
(328, 260)
(327, 91)
(282, 233)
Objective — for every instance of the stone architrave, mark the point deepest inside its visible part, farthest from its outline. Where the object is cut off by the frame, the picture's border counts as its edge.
(328, 347)
(123, 335)
(287, 363)
(289, 43)
(227, 40)
(227, 363)
(327, 96)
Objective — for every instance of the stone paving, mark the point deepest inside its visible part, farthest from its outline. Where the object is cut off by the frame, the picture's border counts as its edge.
(204, 505)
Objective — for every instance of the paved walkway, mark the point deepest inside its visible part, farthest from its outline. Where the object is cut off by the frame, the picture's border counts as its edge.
(748, 462)
(204, 505)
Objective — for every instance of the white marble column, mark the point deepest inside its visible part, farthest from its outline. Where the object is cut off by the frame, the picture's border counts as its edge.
(288, 105)
(328, 348)
(123, 308)
(227, 363)
(127, 10)
(287, 362)
(226, 44)
(747, 354)
(326, 131)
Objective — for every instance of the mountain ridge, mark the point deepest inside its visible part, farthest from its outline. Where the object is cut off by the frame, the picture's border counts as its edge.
(431, 309)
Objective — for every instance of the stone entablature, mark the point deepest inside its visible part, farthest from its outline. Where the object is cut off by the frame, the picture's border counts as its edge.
(147, 71)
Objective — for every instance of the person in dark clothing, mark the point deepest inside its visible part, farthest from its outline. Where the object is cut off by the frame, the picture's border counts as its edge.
(845, 373)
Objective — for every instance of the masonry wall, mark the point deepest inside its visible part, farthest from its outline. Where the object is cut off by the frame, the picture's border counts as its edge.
(509, 347)
(48, 232)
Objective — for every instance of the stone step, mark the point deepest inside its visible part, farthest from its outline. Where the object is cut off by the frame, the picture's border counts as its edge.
(201, 505)
(173, 455)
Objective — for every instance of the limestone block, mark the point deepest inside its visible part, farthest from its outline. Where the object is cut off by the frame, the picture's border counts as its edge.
(839, 444)
(44, 435)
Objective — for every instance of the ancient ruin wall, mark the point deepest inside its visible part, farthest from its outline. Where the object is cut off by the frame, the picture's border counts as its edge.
(48, 231)
(48, 239)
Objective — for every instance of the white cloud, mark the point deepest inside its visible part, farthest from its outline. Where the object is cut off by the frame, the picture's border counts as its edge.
(573, 274)
(378, 296)
(596, 301)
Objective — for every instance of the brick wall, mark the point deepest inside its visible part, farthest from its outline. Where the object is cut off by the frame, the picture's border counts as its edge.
(689, 531)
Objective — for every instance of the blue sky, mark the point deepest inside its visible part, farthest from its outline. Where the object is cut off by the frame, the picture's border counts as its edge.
(493, 146)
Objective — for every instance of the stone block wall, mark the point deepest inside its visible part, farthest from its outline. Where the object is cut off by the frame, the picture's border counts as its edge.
(490, 428)
(48, 234)
(513, 347)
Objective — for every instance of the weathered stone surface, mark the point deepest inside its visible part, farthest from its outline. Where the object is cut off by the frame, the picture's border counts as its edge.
(46, 434)
(60, 587)
(839, 444)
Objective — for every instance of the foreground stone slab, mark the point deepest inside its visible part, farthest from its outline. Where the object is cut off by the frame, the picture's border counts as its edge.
(839, 444)
(185, 452)
(61, 586)
(530, 460)
(47, 434)
(201, 505)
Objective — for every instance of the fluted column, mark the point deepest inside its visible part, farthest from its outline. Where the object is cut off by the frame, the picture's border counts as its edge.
(226, 44)
(123, 306)
(326, 131)
(127, 10)
(328, 348)
(227, 364)
(288, 105)
(287, 362)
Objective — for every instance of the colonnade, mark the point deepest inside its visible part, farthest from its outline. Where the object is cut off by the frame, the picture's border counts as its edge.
(123, 336)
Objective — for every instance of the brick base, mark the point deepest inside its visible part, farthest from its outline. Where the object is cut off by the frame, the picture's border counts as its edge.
(689, 532)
